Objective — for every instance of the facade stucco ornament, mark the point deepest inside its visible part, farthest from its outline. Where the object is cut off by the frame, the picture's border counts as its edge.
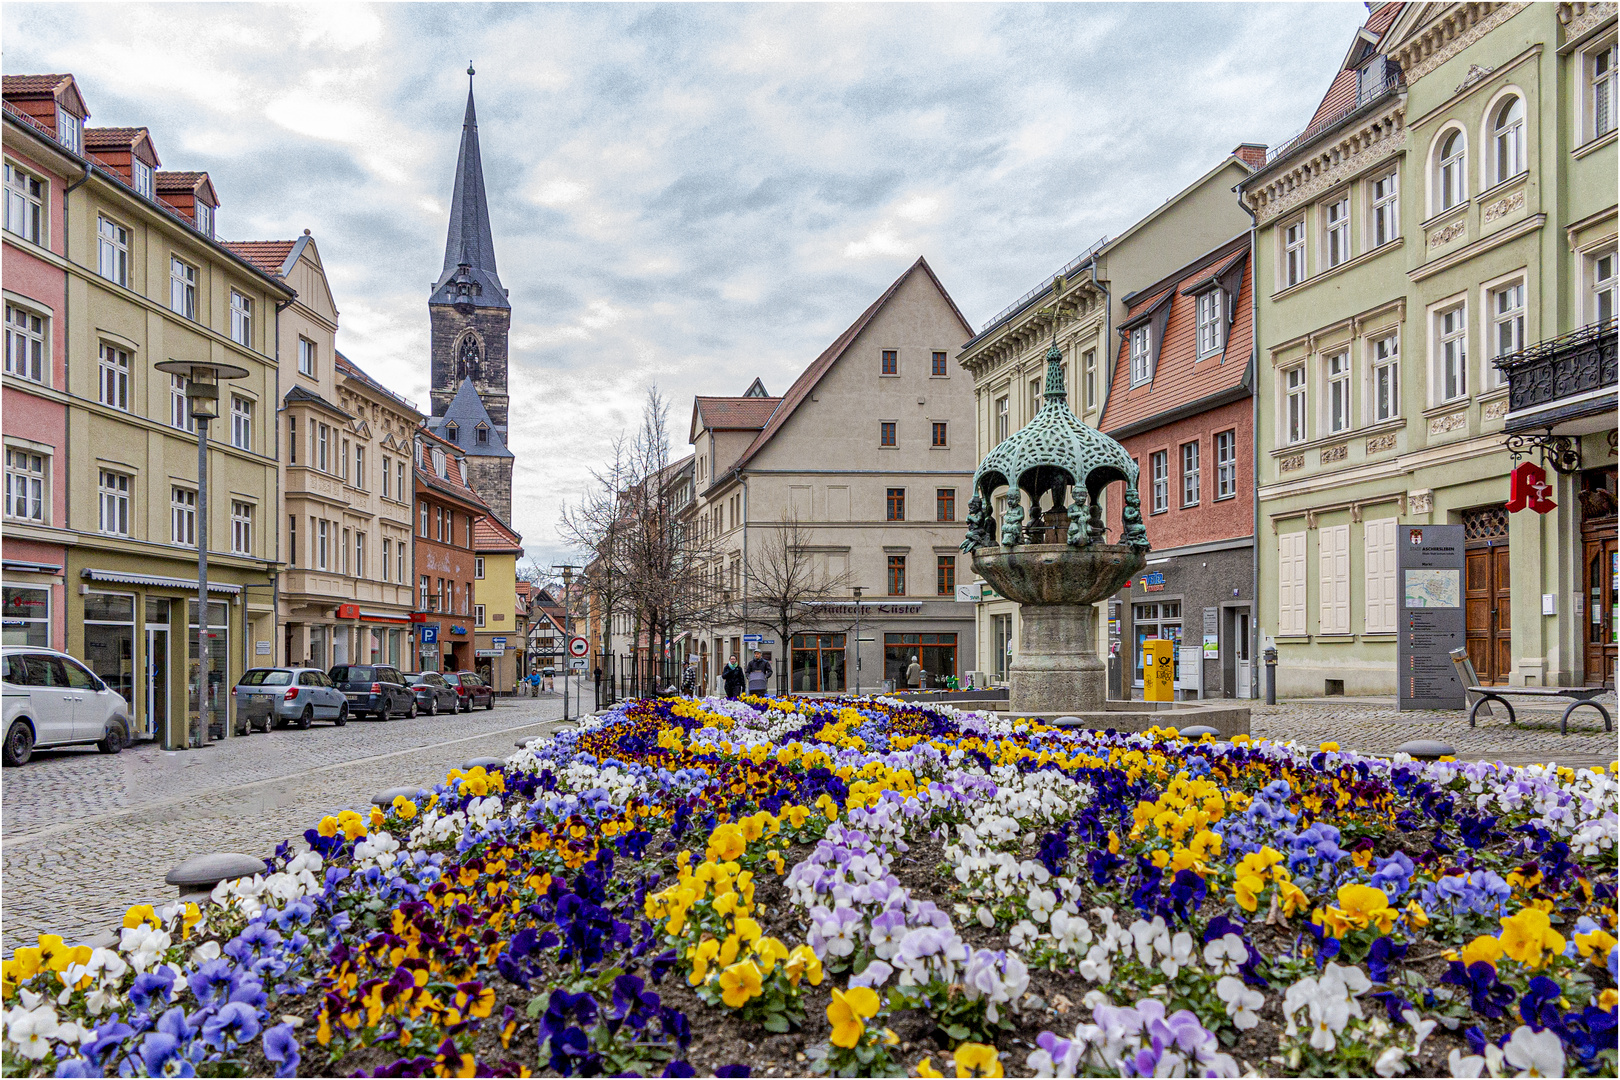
(1057, 453)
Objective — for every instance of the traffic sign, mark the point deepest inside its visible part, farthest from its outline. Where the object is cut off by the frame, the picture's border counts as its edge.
(579, 648)
(497, 643)
(753, 637)
(578, 663)
(430, 635)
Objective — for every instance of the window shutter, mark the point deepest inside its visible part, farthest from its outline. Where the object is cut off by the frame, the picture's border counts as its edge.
(1333, 569)
(1291, 583)
(1381, 575)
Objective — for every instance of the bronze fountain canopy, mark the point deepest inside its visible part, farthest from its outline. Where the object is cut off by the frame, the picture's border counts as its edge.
(1057, 582)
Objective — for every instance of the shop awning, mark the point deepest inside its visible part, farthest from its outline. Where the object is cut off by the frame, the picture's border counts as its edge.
(22, 566)
(385, 617)
(115, 577)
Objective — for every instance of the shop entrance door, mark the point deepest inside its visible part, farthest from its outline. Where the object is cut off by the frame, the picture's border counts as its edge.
(157, 683)
(1602, 573)
(1490, 621)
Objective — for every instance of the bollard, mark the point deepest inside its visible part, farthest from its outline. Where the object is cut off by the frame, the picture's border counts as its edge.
(1271, 676)
(487, 763)
(385, 799)
(1198, 731)
(1426, 749)
(201, 873)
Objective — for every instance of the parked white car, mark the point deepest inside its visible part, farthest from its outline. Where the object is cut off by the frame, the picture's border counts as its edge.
(53, 700)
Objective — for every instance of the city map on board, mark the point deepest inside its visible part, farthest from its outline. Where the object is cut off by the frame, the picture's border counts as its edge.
(1433, 588)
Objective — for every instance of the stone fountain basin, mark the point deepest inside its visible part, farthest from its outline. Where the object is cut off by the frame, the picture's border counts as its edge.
(1058, 573)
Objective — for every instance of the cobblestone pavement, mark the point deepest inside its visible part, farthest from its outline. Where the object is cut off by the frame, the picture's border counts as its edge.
(1372, 725)
(87, 835)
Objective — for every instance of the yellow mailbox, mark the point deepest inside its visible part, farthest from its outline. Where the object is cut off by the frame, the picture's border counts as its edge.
(1158, 670)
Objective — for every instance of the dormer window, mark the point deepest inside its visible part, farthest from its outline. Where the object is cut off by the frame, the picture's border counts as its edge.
(69, 131)
(452, 432)
(1210, 322)
(141, 172)
(481, 435)
(205, 219)
(1141, 355)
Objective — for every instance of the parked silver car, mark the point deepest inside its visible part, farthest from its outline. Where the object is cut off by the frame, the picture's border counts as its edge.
(53, 700)
(287, 695)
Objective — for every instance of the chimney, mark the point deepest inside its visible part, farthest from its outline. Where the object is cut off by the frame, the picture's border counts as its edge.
(1252, 154)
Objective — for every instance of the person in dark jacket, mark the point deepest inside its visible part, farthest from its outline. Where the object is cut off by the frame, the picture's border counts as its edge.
(731, 677)
(759, 674)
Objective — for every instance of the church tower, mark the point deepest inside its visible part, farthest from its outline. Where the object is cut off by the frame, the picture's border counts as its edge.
(470, 320)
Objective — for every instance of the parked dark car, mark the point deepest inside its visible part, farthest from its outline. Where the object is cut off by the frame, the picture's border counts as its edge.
(276, 697)
(374, 690)
(472, 690)
(433, 692)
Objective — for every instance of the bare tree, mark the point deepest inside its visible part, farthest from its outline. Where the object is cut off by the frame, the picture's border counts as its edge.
(788, 592)
(595, 526)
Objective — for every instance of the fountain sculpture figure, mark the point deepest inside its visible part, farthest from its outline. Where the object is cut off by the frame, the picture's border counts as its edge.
(1057, 566)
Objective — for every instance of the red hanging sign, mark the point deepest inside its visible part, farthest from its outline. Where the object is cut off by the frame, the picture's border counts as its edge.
(1528, 489)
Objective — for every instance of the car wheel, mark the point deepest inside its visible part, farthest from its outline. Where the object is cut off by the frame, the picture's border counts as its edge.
(433, 705)
(19, 744)
(412, 714)
(115, 740)
(464, 704)
(342, 716)
(306, 717)
(491, 706)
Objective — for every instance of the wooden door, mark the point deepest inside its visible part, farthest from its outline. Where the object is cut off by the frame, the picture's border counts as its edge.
(1602, 586)
(1490, 619)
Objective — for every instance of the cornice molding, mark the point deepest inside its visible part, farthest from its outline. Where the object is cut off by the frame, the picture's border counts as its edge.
(1456, 30)
(1080, 311)
(1578, 19)
(1378, 135)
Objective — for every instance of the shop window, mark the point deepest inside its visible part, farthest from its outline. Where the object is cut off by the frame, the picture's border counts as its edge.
(109, 640)
(26, 616)
(936, 653)
(1157, 621)
(818, 663)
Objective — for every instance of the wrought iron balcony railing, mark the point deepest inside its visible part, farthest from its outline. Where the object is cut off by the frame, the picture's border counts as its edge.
(1559, 369)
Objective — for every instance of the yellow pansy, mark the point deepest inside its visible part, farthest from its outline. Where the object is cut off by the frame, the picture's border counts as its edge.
(977, 1059)
(739, 983)
(849, 1012)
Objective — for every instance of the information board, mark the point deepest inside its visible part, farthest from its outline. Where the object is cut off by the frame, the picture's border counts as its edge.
(1432, 618)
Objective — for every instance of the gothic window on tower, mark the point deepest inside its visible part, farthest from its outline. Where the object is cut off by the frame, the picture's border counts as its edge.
(467, 359)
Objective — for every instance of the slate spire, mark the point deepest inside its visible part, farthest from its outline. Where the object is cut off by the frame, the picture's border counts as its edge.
(469, 276)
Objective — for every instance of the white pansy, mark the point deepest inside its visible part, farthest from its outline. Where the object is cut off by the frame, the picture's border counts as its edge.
(1241, 1002)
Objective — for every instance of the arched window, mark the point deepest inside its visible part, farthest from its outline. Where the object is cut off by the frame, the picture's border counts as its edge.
(1450, 184)
(1507, 136)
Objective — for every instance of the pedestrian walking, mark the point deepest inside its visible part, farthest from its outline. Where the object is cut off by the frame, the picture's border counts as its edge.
(759, 674)
(689, 679)
(914, 674)
(731, 677)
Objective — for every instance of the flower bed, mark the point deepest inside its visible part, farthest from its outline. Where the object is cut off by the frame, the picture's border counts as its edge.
(880, 888)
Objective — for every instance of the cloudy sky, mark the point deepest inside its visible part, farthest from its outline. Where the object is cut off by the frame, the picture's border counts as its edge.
(683, 195)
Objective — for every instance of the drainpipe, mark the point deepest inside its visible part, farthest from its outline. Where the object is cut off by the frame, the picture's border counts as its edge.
(1106, 350)
(67, 331)
(744, 479)
(1254, 441)
(277, 631)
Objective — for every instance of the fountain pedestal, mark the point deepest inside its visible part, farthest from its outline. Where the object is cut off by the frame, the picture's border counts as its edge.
(1057, 668)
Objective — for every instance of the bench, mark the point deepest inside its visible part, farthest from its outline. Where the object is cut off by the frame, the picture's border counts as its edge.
(1581, 695)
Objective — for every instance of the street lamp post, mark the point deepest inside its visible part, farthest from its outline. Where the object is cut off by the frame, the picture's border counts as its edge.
(202, 401)
(568, 627)
(857, 591)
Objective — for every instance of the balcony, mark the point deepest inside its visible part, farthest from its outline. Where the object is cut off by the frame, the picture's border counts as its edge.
(1560, 389)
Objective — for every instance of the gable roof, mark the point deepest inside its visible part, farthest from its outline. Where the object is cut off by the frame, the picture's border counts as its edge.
(490, 533)
(466, 410)
(298, 393)
(806, 382)
(1183, 384)
(756, 389)
(126, 139)
(272, 256)
(196, 184)
(57, 86)
(731, 413)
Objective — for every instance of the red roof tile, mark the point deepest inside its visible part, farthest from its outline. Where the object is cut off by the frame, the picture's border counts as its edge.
(267, 255)
(1179, 378)
(734, 413)
(32, 84)
(1341, 92)
(491, 534)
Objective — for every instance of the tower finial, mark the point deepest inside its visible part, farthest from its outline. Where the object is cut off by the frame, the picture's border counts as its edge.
(470, 71)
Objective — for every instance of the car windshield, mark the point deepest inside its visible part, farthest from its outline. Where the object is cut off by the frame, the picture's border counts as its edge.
(266, 677)
(418, 678)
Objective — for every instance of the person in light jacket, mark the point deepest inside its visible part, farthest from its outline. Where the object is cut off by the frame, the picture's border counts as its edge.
(731, 677)
(759, 674)
(914, 675)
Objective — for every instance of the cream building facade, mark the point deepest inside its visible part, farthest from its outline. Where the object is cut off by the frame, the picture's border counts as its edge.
(1080, 308)
(871, 450)
(346, 591)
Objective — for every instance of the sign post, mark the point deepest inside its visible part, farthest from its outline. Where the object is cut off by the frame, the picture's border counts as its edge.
(1432, 619)
(1158, 670)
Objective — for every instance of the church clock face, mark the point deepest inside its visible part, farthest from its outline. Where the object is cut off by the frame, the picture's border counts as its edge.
(467, 361)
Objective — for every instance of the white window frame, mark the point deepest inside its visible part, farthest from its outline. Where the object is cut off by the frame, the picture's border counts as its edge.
(28, 337)
(1384, 377)
(1191, 475)
(69, 130)
(1384, 219)
(241, 422)
(141, 176)
(323, 439)
(1507, 329)
(241, 527)
(1449, 179)
(1506, 138)
(323, 550)
(25, 204)
(1141, 354)
(1336, 231)
(1091, 377)
(112, 251)
(1450, 337)
(399, 561)
(180, 405)
(358, 477)
(113, 376)
(359, 554)
(28, 484)
(1159, 473)
(1225, 465)
(182, 288)
(113, 491)
(1294, 268)
(478, 567)
(1600, 90)
(182, 516)
(1336, 372)
(1210, 312)
(205, 218)
(478, 615)
(1295, 382)
(1003, 418)
(1601, 281)
(241, 319)
(387, 481)
(307, 358)
(343, 551)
